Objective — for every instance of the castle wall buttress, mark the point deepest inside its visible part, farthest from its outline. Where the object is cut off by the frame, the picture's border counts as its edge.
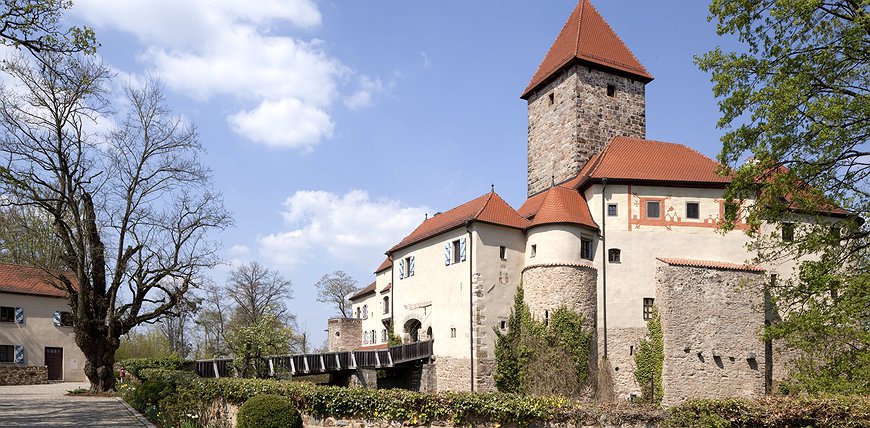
(574, 116)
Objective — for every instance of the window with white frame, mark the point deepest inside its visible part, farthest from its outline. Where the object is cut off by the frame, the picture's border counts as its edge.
(365, 312)
(648, 308)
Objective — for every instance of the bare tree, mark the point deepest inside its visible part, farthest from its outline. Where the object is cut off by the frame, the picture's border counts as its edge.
(175, 325)
(258, 291)
(131, 209)
(335, 288)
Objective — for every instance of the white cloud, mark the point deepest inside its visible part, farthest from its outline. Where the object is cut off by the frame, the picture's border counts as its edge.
(368, 88)
(208, 48)
(350, 227)
(284, 123)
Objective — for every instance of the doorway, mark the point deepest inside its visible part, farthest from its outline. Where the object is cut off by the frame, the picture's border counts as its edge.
(54, 362)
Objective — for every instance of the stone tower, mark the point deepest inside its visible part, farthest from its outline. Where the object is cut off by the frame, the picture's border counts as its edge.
(588, 89)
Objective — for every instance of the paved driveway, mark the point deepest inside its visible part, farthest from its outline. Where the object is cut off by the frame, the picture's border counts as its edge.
(47, 406)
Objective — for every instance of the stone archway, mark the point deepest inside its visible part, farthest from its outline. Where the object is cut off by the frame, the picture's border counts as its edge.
(412, 330)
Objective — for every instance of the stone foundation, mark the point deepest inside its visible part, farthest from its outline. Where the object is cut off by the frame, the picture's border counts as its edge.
(712, 320)
(23, 375)
(452, 374)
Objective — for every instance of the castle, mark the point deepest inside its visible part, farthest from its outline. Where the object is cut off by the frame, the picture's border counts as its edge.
(613, 225)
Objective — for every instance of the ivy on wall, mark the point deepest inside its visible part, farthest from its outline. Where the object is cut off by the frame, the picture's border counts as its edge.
(650, 358)
(539, 359)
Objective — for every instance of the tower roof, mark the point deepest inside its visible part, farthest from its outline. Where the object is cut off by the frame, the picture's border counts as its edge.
(558, 204)
(587, 38)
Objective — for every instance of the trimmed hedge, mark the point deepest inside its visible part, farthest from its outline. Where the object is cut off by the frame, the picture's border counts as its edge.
(268, 411)
(197, 396)
(135, 365)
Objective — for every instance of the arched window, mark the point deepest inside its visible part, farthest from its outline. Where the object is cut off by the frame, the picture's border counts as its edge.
(386, 304)
(614, 255)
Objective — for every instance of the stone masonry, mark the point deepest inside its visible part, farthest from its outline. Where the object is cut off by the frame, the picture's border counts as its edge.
(452, 374)
(579, 120)
(343, 334)
(712, 320)
(547, 287)
(23, 375)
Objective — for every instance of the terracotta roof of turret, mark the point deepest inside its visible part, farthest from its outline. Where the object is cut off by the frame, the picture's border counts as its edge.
(29, 280)
(588, 38)
(384, 266)
(370, 289)
(489, 208)
(709, 264)
(562, 205)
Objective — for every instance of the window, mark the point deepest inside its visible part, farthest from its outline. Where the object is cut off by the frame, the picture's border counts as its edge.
(374, 336)
(365, 312)
(452, 331)
(502, 252)
(612, 210)
(534, 251)
(383, 335)
(647, 308)
(67, 319)
(611, 90)
(7, 314)
(788, 232)
(7, 354)
(693, 210)
(586, 249)
(552, 97)
(614, 255)
(502, 325)
(547, 318)
(365, 338)
(386, 304)
(653, 209)
(456, 250)
(358, 312)
(406, 267)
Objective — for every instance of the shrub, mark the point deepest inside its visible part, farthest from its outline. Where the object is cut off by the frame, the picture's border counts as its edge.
(148, 395)
(649, 360)
(268, 411)
(172, 377)
(135, 365)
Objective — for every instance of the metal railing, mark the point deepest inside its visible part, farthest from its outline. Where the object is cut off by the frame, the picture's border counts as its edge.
(302, 364)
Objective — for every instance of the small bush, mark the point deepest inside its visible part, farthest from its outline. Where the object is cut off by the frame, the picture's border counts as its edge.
(172, 377)
(268, 411)
(135, 365)
(148, 394)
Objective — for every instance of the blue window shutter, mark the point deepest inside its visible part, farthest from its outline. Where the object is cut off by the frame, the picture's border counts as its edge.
(447, 254)
(56, 318)
(401, 269)
(462, 249)
(19, 354)
(19, 315)
(411, 267)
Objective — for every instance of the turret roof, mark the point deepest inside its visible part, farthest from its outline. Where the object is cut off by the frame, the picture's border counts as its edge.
(558, 204)
(588, 38)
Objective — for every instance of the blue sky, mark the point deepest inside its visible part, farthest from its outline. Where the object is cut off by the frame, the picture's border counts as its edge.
(332, 127)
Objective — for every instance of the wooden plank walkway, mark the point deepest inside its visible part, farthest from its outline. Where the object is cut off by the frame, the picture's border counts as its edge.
(330, 362)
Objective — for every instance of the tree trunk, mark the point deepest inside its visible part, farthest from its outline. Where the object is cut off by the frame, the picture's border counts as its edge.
(99, 350)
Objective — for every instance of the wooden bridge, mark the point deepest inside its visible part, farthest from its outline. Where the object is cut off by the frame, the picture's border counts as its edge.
(330, 362)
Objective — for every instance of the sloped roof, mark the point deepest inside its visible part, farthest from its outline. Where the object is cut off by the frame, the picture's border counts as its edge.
(588, 37)
(370, 289)
(28, 280)
(384, 266)
(709, 264)
(489, 208)
(558, 204)
(373, 347)
(626, 158)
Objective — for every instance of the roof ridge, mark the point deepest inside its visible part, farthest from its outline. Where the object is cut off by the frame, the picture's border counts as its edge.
(485, 204)
(642, 68)
(579, 26)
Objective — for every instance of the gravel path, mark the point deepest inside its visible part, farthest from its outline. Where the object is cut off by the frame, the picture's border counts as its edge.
(47, 406)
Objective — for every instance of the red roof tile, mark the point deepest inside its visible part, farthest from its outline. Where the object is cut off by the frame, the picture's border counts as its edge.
(588, 37)
(370, 289)
(627, 158)
(709, 264)
(28, 280)
(384, 266)
(489, 208)
(387, 288)
(373, 347)
(562, 205)
(530, 206)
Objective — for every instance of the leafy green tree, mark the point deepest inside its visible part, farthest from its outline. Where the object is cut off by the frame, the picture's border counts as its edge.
(148, 343)
(797, 99)
(36, 26)
(251, 343)
(132, 209)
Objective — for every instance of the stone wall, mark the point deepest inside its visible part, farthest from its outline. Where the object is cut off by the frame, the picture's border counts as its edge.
(23, 375)
(581, 119)
(343, 334)
(452, 374)
(712, 320)
(548, 287)
(621, 345)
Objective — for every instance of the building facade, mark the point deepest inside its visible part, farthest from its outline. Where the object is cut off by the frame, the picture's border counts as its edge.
(613, 226)
(36, 329)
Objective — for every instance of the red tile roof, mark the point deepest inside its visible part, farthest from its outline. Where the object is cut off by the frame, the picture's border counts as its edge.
(373, 347)
(370, 289)
(627, 158)
(586, 36)
(709, 264)
(489, 208)
(559, 205)
(387, 288)
(384, 266)
(28, 280)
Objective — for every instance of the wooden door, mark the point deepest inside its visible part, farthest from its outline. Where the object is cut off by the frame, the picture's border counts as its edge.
(54, 361)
